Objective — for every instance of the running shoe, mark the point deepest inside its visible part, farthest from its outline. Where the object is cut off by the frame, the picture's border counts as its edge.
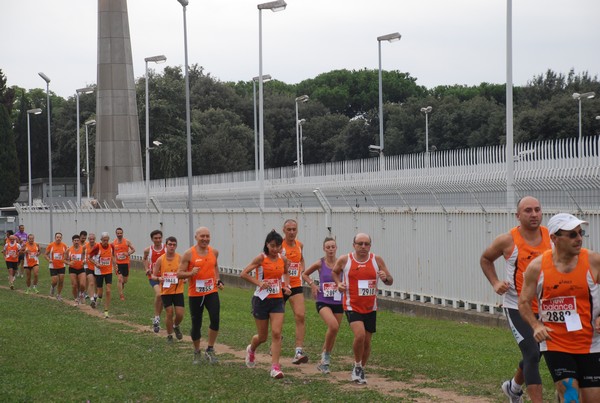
(197, 357)
(358, 375)
(211, 356)
(12, 286)
(27, 291)
(93, 303)
(52, 289)
(325, 358)
(300, 358)
(323, 368)
(512, 396)
(276, 373)
(156, 325)
(105, 314)
(58, 297)
(178, 333)
(86, 296)
(250, 356)
(35, 289)
(170, 339)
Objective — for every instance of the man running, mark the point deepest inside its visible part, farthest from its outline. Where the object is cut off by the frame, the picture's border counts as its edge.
(90, 268)
(565, 280)
(22, 238)
(31, 251)
(11, 256)
(123, 250)
(105, 264)
(165, 271)
(55, 254)
(292, 251)
(75, 258)
(200, 266)
(356, 275)
(519, 247)
(151, 255)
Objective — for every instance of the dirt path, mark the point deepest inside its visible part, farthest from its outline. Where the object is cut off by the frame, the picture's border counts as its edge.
(400, 389)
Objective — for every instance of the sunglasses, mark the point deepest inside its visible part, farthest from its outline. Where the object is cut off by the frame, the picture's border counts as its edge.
(571, 234)
(362, 243)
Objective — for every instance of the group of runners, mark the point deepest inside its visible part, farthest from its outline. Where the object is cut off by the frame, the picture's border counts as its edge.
(551, 299)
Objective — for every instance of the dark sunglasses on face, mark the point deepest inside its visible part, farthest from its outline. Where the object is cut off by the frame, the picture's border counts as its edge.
(571, 234)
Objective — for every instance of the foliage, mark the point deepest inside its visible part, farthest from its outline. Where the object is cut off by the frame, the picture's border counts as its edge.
(9, 164)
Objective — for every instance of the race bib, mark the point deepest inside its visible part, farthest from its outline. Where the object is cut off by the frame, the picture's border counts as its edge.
(57, 256)
(104, 261)
(169, 279)
(32, 255)
(558, 309)
(12, 253)
(367, 288)
(273, 285)
(121, 256)
(293, 269)
(329, 289)
(76, 257)
(205, 285)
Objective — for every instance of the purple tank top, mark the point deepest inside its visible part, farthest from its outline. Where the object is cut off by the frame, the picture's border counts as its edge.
(326, 285)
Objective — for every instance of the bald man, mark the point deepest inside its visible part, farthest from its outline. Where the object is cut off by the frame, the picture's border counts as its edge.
(519, 247)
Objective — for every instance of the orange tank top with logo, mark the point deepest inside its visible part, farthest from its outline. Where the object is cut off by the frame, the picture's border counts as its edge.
(57, 255)
(121, 251)
(568, 304)
(271, 271)
(104, 262)
(76, 257)
(170, 284)
(32, 252)
(205, 281)
(11, 251)
(360, 279)
(294, 256)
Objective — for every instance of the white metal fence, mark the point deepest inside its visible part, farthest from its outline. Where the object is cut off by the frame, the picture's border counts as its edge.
(430, 224)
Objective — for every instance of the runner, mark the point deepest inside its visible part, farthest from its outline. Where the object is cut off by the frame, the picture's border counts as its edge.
(360, 272)
(151, 255)
(90, 267)
(31, 251)
(83, 241)
(519, 247)
(75, 258)
(328, 299)
(123, 250)
(565, 282)
(11, 256)
(104, 254)
(292, 250)
(22, 238)
(200, 266)
(55, 254)
(165, 271)
(271, 279)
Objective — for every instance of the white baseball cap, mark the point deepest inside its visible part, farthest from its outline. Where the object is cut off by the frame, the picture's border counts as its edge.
(563, 221)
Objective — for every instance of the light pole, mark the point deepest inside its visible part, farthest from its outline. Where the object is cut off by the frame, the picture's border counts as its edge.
(155, 59)
(300, 123)
(579, 97)
(265, 78)
(35, 111)
(390, 38)
(303, 99)
(86, 90)
(426, 111)
(47, 80)
(90, 122)
(274, 6)
(188, 125)
(156, 145)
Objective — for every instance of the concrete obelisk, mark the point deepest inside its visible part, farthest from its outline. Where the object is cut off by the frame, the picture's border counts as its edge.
(118, 150)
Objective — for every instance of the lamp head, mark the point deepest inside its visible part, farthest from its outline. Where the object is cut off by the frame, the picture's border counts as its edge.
(183, 2)
(45, 77)
(156, 59)
(35, 111)
(390, 37)
(265, 77)
(274, 6)
(301, 121)
(302, 98)
(157, 143)
(86, 90)
(374, 149)
(90, 122)
(426, 109)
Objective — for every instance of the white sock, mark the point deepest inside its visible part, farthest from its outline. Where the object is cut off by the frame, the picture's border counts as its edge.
(514, 386)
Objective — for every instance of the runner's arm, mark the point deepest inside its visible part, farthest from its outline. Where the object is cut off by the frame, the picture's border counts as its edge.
(528, 293)
(488, 257)
(337, 269)
(384, 273)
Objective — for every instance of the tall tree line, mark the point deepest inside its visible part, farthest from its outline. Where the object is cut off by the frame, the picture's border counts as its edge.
(341, 119)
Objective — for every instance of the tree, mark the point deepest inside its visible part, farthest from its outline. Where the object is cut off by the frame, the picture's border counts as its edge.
(9, 164)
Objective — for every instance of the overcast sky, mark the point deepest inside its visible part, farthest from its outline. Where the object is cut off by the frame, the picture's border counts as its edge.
(444, 42)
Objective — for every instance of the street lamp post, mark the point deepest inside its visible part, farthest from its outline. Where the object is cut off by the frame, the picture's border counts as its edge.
(579, 97)
(86, 90)
(426, 111)
(35, 111)
(155, 59)
(90, 122)
(188, 125)
(50, 200)
(390, 38)
(300, 123)
(265, 78)
(274, 6)
(303, 99)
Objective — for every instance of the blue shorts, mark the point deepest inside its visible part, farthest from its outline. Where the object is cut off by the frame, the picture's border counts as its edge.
(262, 308)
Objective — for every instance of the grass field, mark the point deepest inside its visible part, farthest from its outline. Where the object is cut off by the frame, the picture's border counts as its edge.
(52, 351)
